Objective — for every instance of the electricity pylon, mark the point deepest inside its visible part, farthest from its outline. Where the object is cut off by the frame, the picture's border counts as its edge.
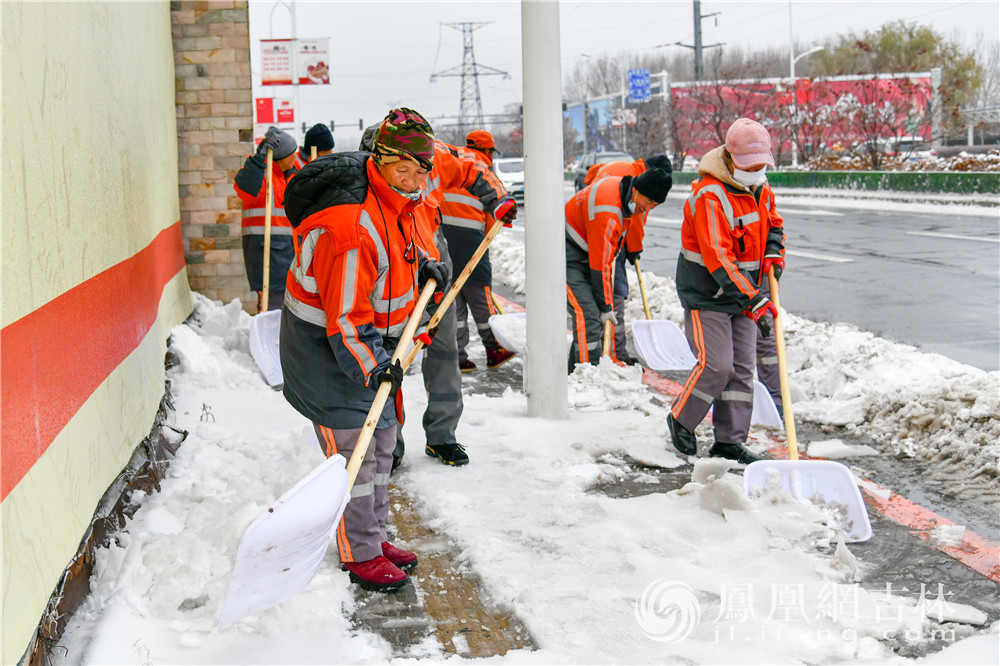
(470, 114)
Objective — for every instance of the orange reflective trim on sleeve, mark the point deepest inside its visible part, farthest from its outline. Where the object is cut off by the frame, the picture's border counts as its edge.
(581, 327)
(699, 343)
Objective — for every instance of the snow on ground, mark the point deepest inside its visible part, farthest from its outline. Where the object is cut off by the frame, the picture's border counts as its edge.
(697, 575)
(938, 411)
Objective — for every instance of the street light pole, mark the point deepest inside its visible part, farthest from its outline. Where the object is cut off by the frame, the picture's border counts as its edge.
(795, 114)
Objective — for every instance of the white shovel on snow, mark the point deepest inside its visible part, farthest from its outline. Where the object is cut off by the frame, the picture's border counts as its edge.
(265, 326)
(820, 481)
(283, 548)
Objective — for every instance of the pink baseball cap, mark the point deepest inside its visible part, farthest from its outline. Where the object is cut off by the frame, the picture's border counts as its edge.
(749, 144)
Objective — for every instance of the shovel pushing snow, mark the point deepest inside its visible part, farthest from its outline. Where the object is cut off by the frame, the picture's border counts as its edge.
(820, 481)
(265, 326)
(283, 548)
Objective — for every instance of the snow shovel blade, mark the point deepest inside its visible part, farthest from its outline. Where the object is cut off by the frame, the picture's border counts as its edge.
(265, 329)
(661, 345)
(820, 481)
(511, 332)
(283, 548)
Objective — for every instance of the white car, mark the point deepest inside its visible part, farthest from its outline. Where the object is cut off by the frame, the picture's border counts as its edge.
(510, 171)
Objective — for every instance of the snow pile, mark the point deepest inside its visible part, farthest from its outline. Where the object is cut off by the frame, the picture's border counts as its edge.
(698, 575)
(925, 406)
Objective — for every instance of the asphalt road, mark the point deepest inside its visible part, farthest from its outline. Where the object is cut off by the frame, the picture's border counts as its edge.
(920, 278)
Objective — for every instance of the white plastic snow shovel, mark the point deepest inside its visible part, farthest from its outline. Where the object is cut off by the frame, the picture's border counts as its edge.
(660, 343)
(265, 326)
(819, 481)
(283, 548)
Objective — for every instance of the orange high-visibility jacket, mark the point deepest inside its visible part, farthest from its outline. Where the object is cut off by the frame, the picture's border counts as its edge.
(459, 169)
(350, 289)
(254, 202)
(726, 232)
(637, 226)
(596, 224)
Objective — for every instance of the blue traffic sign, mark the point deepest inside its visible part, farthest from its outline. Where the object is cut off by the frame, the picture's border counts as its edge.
(638, 85)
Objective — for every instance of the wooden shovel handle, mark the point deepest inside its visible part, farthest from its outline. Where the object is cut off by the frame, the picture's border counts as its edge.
(642, 290)
(786, 394)
(608, 328)
(456, 287)
(268, 194)
(365, 436)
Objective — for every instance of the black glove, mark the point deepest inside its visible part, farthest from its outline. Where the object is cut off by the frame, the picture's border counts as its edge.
(389, 373)
(433, 270)
(632, 257)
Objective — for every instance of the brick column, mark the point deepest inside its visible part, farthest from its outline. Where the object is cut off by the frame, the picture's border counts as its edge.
(214, 135)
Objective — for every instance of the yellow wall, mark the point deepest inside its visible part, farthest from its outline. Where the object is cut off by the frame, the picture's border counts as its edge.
(89, 179)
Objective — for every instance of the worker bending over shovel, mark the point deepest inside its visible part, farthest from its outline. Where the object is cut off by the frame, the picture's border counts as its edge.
(598, 218)
(731, 235)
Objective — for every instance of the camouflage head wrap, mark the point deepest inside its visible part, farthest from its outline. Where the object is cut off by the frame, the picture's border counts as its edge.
(404, 134)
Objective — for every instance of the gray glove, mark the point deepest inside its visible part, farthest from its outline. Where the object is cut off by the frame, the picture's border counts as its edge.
(270, 141)
(609, 316)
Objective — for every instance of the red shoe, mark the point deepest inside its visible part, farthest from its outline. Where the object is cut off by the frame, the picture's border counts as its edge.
(466, 366)
(497, 357)
(403, 559)
(378, 575)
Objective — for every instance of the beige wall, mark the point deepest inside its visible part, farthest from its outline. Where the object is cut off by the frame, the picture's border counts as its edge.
(89, 180)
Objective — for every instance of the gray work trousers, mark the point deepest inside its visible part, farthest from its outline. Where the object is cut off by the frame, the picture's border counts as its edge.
(724, 346)
(477, 299)
(584, 316)
(442, 378)
(362, 528)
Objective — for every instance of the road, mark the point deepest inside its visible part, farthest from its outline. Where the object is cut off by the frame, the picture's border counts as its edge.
(924, 277)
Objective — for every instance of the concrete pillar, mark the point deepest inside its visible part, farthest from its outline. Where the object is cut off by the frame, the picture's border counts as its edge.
(546, 351)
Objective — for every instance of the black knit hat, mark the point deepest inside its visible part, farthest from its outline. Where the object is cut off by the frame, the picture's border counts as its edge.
(319, 135)
(659, 161)
(654, 184)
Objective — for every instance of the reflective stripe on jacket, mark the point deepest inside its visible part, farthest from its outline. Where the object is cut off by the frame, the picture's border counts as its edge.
(637, 225)
(461, 172)
(726, 231)
(253, 213)
(595, 224)
(349, 293)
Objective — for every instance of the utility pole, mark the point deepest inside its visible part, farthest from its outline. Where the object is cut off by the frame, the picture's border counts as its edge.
(470, 114)
(699, 63)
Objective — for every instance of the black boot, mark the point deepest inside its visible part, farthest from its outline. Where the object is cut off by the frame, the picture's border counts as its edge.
(684, 440)
(450, 454)
(736, 452)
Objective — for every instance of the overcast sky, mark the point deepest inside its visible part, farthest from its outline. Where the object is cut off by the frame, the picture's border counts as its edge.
(383, 53)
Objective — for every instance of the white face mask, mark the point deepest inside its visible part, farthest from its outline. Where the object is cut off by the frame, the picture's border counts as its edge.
(412, 196)
(631, 206)
(749, 178)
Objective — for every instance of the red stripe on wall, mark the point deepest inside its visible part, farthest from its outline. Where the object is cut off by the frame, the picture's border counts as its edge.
(54, 358)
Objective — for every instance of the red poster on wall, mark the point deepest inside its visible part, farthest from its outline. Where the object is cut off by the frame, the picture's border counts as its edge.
(265, 110)
(284, 110)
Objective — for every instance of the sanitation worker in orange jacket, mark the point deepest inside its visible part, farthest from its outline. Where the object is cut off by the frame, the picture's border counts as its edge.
(251, 189)
(731, 235)
(597, 220)
(633, 243)
(351, 290)
(465, 224)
